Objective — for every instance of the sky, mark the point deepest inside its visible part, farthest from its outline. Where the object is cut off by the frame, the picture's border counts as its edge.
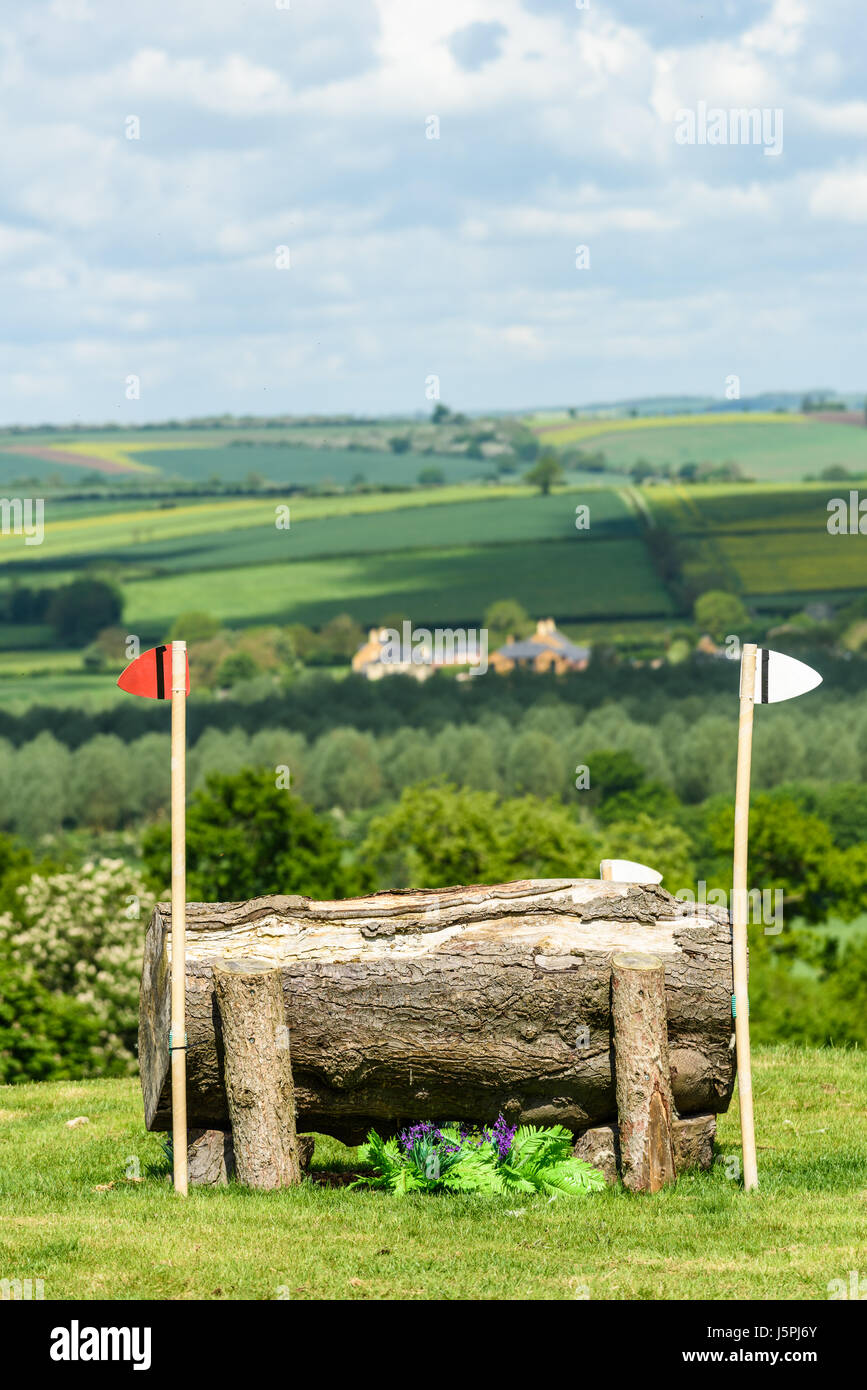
(316, 206)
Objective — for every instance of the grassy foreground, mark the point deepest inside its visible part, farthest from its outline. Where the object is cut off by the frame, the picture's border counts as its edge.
(72, 1217)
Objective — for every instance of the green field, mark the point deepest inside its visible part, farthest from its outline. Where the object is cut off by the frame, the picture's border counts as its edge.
(442, 555)
(243, 531)
(25, 468)
(297, 466)
(57, 685)
(73, 1218)
(773, 540)
(449, 586)
(767, 448)
(442, 559)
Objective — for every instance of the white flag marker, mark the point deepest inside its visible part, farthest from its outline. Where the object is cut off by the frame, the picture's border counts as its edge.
(766, 678)
(780, 677)
(627, 871)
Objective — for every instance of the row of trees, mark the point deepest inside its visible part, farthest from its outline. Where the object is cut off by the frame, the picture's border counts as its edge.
(71, 933)
(686, 759)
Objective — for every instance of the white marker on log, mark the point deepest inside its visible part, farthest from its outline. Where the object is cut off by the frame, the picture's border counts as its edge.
(627, 871)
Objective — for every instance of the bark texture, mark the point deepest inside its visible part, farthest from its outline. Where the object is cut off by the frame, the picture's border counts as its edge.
(210, 1160)
(693, 1138)
(450, 1003)
(258, 1076)
(645, 1107)
(211, 1157)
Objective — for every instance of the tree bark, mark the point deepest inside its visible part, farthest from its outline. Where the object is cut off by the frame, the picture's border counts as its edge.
(456, 1003)
(645, 1107)
(258, 1076)
(211, 1158)
(692, 1136)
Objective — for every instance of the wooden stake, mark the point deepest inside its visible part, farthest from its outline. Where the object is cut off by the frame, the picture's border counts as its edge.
(605, 871)
(645, 1108)
(739, 916)
(258, 1071)
(178, 1039)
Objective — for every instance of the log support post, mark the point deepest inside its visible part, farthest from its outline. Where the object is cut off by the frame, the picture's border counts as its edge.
(645, 1107)
(258, 1077)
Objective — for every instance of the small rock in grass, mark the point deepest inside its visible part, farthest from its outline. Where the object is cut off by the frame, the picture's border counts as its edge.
(79, 1120)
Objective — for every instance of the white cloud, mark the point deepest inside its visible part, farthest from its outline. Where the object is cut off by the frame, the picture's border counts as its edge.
(845, 118)
(781, 33)
(841, 196)
(235, 85)
(305, 128)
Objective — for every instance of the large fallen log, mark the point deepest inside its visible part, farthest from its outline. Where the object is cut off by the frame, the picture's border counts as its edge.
(453, 1003)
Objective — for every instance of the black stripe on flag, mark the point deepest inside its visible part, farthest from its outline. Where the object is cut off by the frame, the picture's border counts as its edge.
(763, 655)
(161, 673)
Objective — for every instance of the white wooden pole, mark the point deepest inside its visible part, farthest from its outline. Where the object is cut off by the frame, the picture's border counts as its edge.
(178, 1038)
(739, 916)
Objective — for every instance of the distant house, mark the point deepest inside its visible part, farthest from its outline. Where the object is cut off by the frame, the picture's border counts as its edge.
(546, 650)
(375, 659)
(706, 646)
(418, 652)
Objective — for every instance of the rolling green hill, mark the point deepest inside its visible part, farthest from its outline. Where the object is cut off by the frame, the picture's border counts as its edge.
(766, 447)
(773, 540)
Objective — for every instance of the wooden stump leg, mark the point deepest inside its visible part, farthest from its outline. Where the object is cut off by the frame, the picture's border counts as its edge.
(692, 1137)
(210, 1159)
(258, 1074)
(645, 1107)
(211, 1156)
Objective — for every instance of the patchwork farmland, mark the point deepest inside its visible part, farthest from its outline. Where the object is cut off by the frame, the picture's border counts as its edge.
(441, 559)
(765, 446)
(773, 541)
(150, 511)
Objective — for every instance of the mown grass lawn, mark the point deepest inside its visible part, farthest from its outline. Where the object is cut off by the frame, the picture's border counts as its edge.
(72, 1217)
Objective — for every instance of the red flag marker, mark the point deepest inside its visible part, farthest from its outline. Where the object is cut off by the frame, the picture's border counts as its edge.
(163, 673)
(151, 674)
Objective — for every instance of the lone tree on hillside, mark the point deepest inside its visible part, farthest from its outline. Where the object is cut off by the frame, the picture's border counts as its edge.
(720, 614)
(546, 471)
(507, 618)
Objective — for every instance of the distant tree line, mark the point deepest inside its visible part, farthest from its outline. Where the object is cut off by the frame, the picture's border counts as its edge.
(76, 611)
(314, 703)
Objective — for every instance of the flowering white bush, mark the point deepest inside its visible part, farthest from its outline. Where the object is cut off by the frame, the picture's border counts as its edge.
(83, 934)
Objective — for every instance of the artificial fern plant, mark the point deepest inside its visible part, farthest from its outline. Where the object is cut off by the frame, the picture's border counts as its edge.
(449, 1158)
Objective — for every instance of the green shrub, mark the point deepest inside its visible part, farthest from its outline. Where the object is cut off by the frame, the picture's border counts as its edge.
(247, 836)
